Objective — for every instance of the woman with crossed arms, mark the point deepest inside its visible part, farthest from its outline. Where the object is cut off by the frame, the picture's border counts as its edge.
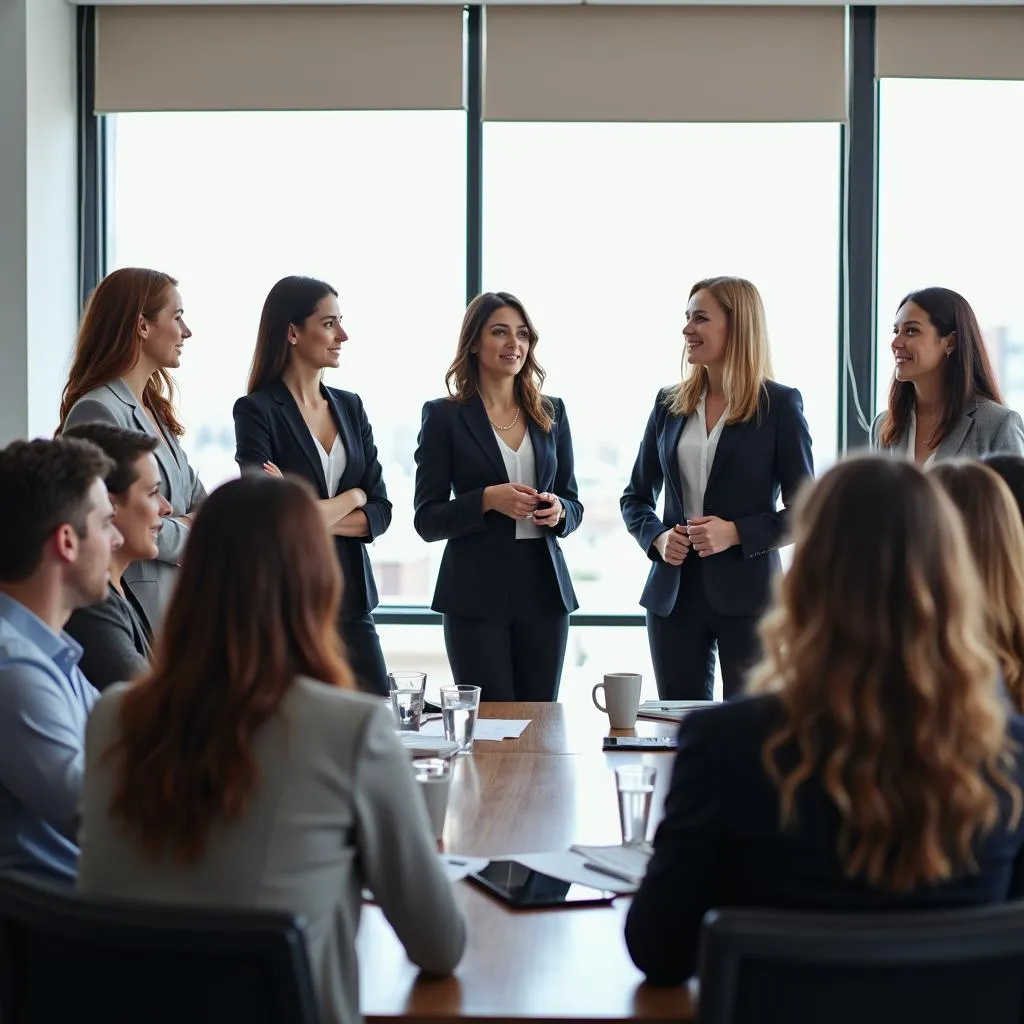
(723, 442)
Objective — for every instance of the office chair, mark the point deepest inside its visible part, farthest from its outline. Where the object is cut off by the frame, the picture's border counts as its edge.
(67, 958)
(935, 966)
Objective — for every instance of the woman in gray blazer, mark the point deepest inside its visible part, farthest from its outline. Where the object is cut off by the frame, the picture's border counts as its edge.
(290, 790)
(132, 333)
(944, 401)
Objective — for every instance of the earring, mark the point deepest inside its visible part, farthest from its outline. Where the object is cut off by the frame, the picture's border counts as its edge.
(291, 341)
(949, 352)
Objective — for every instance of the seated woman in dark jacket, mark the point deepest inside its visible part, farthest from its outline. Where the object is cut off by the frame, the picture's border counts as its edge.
(878, 767)
(116, 634)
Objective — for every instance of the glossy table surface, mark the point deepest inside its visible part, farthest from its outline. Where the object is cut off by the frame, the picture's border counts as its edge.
(548, 789)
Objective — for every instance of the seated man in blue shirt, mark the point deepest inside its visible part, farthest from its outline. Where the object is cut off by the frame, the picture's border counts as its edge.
(56, 538)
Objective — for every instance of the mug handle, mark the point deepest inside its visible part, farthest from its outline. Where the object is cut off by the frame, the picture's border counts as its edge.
(593, 697)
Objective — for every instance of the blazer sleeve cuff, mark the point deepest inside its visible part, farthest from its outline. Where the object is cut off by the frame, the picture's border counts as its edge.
(759, 534)
(649, 532)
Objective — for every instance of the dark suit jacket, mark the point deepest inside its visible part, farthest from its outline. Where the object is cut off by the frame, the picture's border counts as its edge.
(753, 462)
(269, 428)
(719, 844)
(115, 636)
(458, 452)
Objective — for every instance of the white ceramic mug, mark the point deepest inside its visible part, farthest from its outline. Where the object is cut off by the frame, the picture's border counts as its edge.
(622, 694)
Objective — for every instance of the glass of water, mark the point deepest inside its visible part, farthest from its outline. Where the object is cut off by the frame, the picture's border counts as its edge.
(407, 681)
(407, 706)
(459, 708)
(635, 786)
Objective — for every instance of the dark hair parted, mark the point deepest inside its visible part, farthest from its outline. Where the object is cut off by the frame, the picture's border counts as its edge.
(43, 485)
(238, 631)
(290, 302)
(1011, 469)
(108, 342)
(877, 648)
(967, 373)
(463, 376)
(123, 447)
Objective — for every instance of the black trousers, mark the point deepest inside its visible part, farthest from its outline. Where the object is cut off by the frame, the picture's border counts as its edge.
(364, 654)
(683, 643)
(519, 655)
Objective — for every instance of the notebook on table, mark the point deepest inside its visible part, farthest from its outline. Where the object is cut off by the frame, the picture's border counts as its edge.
(628, 863)
(670, 710)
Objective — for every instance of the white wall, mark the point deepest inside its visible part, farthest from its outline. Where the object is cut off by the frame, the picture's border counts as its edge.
(38, 218)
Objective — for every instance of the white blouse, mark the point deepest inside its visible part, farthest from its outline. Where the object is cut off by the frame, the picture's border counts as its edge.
(521, 467)
(912, 442)
(333, 462)
(696, 455)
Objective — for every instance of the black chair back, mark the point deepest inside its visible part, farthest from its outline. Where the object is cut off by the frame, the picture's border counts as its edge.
(935, 966)
(66, 958)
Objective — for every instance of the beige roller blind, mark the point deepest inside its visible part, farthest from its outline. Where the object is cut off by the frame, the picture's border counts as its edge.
(279, 58)
(950, 42)
(595, 63)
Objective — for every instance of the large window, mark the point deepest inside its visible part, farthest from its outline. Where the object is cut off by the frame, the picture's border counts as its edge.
(951, 210)
(601, 229)
(374, 203)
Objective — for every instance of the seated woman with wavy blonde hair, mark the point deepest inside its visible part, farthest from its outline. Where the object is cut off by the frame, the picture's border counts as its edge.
(996, 537)
(875, 768)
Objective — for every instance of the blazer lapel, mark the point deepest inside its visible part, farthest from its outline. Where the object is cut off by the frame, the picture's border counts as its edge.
(669, 443)
(473, 412)
(951, 444)
(350, 438)
(542, 444)
(166, 455)
(297, 425)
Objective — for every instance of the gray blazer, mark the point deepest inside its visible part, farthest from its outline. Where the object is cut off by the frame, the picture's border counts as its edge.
(115, 636)
(336, 809)
(151, 581)
(986, 428)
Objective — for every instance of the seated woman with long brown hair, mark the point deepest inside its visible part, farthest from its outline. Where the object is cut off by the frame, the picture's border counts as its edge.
(996, 537)
(244, 771)
(878, 765)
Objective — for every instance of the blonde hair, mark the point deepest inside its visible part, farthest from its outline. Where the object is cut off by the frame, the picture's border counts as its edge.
(748, 358)
(996, 538)
(877, 649)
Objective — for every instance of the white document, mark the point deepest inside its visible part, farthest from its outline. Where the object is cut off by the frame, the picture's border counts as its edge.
(486, 728)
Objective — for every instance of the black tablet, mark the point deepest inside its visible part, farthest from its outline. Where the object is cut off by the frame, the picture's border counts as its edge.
(520, 886)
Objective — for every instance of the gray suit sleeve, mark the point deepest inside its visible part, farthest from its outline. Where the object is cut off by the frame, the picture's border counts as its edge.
(1009, 439)
(91, 410)
(398, 853)
(174, 534)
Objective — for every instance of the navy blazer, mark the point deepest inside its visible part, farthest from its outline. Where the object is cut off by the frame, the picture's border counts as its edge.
(269, 428)
(719, 844)
(754, 461)
(458, 452)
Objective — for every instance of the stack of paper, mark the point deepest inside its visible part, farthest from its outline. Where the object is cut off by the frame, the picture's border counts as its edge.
(626, 862)
(486, 728)
(670, 710)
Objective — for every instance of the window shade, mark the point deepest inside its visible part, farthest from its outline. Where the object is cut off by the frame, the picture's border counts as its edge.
(279, 58)
(598, 63)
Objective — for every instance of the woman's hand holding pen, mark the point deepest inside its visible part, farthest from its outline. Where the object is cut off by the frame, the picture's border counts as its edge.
(673, 545)
(709, 535)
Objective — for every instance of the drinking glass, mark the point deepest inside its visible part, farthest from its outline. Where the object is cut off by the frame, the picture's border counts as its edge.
(407, 681)
(635, 786)
(459, 708)
(407, 706)
(434, 776)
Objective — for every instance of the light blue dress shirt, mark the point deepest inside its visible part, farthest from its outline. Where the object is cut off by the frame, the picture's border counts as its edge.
(44, 704)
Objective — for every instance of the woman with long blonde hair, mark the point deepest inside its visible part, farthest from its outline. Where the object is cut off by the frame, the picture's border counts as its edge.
(495, 481)
(723, 443)
(996, 537)
(878, 765)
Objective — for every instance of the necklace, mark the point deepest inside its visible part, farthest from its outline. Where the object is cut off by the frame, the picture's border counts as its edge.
(510, 426)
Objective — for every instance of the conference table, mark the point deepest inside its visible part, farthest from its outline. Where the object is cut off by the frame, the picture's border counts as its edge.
(548, 789)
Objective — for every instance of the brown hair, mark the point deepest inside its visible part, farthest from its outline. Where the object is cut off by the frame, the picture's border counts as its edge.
(463, 376)
(996, 538)
(123, 447)
(254, 607)
(967, 373)
(108, 342)
(748, 357)
(291, 301)
(877, 649)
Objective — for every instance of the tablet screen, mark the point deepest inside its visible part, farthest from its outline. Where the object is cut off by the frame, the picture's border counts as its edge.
(521, 886)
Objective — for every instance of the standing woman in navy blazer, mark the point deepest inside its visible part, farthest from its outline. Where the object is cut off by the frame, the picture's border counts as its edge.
(495, 479)
(291, 422)
(724, 442)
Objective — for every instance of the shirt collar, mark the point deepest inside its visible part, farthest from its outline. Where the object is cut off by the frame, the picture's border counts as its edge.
(59, 647)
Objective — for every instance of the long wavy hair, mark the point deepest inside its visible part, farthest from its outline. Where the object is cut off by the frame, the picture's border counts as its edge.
(109, 344)
(748, 357)
(877, 648)
(290, 302)
(967, 373)
(463, 376)
(996, 538)
(254, 607)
